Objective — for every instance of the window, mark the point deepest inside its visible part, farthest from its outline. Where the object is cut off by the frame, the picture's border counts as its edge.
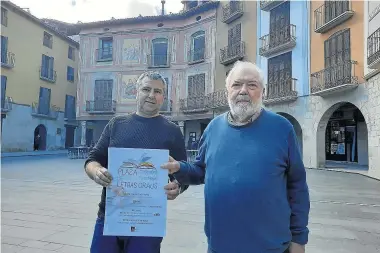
(4, 49)
(44, 101)
(103, 90)
(4, 16)
(48, 40)
(103, 95)
(47, 68)
(335, 8)
(70, 107)
(234, 35)
(338, 59)
(70, 74)
(279, 74)
(279, 25)
(196, 89)
(71, 53)
(197, 46)
(3, 90)
(160, 52)
(166, 104)
(105, 49)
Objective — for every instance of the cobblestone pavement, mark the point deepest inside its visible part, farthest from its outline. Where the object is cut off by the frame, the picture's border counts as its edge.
(49, 205)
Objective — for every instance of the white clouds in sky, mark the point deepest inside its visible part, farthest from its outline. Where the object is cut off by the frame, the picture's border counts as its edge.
(72, 11)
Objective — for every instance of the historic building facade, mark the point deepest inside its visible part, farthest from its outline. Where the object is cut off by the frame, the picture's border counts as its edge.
(115, 52)
(38, 83)
(337, 114)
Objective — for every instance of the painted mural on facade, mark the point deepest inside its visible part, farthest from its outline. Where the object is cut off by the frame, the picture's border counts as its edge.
(129, 90)
(131, 51)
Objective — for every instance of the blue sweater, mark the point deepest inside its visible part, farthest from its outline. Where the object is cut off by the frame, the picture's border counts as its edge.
(256, 195)
(133, 131)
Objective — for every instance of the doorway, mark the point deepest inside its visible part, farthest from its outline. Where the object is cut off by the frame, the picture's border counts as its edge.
(39, 138)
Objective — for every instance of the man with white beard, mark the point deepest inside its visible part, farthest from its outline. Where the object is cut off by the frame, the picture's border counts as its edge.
(256, 194)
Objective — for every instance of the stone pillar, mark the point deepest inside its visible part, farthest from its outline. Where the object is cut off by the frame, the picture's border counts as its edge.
(83, 135)
(181, 125)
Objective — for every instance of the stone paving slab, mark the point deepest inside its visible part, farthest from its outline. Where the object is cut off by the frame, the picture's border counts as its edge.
(49, 206)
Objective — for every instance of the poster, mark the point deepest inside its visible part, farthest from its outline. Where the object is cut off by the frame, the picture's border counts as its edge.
(131, 51)
(136, 203)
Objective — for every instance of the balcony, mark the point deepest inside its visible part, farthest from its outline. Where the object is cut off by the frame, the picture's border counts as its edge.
(281, 92)
(217, 99)
(48, 74)
(194, 104)
(7, 60)
(232, 11)
(232, 53)
(373, 50)
(268, 5)
(335, 79)
(104, 54)
(277, 41)
(158, 60)
(106, 106)
(44, 111)
(196, 56)
(6, 104)
(332, 14)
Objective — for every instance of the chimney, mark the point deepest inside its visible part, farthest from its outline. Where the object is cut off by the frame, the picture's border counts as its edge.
(163, 7)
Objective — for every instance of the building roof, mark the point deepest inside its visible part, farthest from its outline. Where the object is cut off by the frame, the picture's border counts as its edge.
(38, 21)
(159, 18)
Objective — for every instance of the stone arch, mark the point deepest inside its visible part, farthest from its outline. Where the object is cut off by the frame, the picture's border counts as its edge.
(297, 128)
(40, 142)
(350, 122)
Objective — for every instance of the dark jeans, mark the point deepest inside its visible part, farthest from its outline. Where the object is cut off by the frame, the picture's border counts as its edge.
(210, 251)
(114, 244)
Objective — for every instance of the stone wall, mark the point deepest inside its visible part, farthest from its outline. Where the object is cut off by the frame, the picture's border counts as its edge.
(313, 113)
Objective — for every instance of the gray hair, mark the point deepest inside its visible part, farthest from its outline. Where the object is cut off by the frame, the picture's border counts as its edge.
(151, 75)
(246, 64)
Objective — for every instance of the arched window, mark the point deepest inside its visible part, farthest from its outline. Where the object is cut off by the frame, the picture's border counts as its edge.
(197, 46)
(160, 52)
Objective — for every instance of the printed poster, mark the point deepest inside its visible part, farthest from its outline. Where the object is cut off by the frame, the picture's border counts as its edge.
(136, 203)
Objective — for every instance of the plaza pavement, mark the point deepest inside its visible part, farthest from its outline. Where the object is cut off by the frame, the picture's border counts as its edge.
(49, 205)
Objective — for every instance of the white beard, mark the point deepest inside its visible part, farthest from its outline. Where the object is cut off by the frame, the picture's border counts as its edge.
(242, 112)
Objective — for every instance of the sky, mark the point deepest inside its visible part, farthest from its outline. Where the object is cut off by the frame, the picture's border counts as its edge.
(72, 11)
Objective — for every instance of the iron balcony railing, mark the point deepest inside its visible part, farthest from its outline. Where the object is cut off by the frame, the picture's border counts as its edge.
(6, 104)
(104, 54)
(331, 14)
(48, 74)
(232, 11)
(267, 5)
(279, 39)
(194, 103)
(158, 60)
(373, 47)
(45, 111)
(195, 56)
(334, 76)
(7, 59)
(217, 99)
(101, 106)
(281, 89)
(232, 53)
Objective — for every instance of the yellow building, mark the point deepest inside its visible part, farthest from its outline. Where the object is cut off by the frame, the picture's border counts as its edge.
(38, 83)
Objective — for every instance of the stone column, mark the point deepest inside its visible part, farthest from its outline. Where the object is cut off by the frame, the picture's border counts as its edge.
(83, 135)
(181, 125)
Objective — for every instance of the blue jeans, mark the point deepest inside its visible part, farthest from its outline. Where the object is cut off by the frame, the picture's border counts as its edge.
(115, 244)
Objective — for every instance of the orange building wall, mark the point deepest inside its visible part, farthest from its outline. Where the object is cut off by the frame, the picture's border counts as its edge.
(356, 25)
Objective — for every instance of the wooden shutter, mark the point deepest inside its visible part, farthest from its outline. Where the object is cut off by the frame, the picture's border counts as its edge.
(3, 90)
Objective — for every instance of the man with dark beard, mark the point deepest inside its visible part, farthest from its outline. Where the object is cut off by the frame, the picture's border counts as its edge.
(143, 129)
(256, 194)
